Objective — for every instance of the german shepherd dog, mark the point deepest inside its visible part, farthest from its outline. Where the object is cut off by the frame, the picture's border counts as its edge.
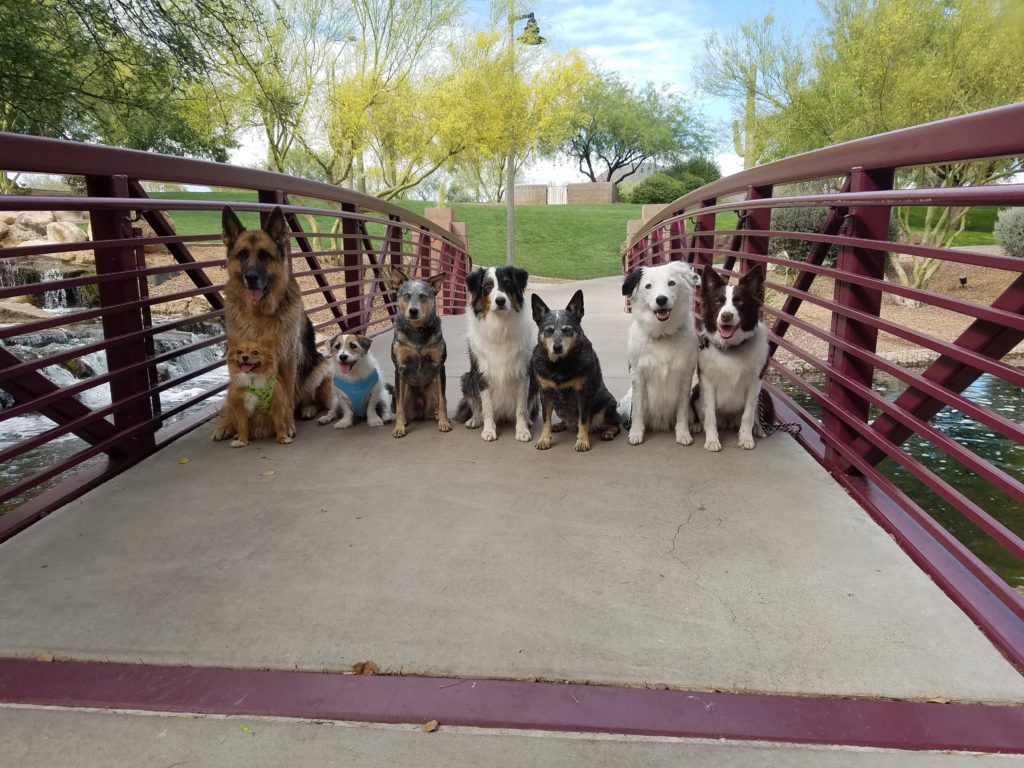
(255, 403)
(569, 375)
(262, 303)
(418, 352)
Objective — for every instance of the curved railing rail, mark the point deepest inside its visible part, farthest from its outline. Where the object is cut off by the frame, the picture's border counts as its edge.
(848, 422)
(142, 378)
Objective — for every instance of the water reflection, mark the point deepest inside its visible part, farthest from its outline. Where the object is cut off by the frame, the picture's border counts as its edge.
(994, 394)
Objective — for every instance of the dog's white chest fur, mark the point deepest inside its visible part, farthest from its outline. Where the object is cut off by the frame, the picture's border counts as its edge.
(502, 343)
(247, 382)
(665, 363)
(735, 373)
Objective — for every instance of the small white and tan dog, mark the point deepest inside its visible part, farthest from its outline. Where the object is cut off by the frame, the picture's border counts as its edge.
(359, 389)
(662, 350)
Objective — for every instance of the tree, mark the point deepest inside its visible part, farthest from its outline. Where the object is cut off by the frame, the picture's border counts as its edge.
(887, 64)
(118, 71)
(526, 110)
(622, 127)
(758, 66)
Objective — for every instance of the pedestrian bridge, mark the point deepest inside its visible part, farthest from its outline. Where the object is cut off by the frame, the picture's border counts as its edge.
(634, 605)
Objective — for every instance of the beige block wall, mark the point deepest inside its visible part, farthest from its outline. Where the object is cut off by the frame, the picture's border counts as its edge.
(593, 192)
(532, 194)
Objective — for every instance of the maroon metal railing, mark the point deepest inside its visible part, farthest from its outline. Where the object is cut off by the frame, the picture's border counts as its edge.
(858, 427)
(106, 420)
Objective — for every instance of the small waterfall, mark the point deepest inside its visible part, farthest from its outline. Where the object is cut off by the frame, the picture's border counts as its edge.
(58, 299)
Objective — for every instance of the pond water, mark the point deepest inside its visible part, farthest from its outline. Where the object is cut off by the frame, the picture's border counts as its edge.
(996, 395)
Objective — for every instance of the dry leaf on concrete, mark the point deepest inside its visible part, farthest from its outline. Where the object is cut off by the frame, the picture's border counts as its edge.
(45, 656)
(365, 668)
(429, 727)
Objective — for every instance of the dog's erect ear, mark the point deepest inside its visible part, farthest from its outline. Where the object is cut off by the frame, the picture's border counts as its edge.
(520, 276)
(631, 281)
(475, 279)
(435, 282)
(709, 279)
(575, 305)
(328, 343)
(364, 342)
(539, 308)
(230, 226)
(754, 281)
(397, 279)
(276, 228)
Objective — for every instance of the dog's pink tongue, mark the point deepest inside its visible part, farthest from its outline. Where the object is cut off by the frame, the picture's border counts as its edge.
(727, 331)
(246, 367)
(662, 314)
(253, 295)
(346, 367)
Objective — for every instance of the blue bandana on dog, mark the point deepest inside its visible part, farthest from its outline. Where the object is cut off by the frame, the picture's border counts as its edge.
(358, 391)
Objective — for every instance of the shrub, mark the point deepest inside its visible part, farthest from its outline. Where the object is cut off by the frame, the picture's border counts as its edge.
(798, 220)
(807, 220)
(656, 188)
(1009, 231)
(704, 168)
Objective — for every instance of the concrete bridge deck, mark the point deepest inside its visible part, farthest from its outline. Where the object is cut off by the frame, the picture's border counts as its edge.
(441, 555)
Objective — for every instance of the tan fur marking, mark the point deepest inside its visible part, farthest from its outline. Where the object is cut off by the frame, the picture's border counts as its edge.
(544, 441)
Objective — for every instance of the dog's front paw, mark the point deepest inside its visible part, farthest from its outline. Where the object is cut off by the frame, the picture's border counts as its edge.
(582, 446)
(344, 423)
(683, 437)
(325, 419)
(239, 443)
(399, 431)
(375, 421)
(308, 411)
(523, 434)
(285, 439)
(222, 433)
(609, 433)
(490, 434)
(473, 423)
(543, 443)
(746, 442)
(443, 425)
(712, 445)
(758, 431)
(635, 437)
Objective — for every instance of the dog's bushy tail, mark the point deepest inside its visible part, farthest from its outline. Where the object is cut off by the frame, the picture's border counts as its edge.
(470, 389)
(625, 408)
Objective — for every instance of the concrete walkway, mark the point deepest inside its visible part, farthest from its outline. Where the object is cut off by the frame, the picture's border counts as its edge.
(440, 554)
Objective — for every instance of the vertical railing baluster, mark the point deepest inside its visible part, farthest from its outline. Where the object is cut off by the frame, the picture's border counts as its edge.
(870, 222)
(353, 262)
(757, 219)
(116, 224)
(702, 243)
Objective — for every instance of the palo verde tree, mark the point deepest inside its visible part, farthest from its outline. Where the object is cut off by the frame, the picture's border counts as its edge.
(880, 65)
(523, 106)
(756, 67)
(621, 127)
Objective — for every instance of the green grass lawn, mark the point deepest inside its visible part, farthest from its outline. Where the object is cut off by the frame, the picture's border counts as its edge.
(573, 242)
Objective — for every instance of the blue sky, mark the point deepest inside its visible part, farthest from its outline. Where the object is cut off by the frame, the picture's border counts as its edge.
(658, 40)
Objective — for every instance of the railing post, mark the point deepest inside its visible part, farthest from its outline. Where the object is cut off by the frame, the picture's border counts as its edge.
(353, 261)
(702, 244)
(116, 225)
(757, 219)
(677, 240)
(870, 222)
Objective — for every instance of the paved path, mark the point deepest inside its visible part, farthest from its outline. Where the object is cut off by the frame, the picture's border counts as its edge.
(442, 555)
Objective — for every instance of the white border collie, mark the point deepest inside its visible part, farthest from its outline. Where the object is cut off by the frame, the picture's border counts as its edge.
(498, 385)
(733, 359)
(662, 351)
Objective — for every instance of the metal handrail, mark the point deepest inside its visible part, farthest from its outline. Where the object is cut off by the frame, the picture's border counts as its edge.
(370, 237)
(848, 438)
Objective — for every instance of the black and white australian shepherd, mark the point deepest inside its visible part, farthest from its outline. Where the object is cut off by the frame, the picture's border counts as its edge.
(662, 351)
(732, 358)
(498, 385)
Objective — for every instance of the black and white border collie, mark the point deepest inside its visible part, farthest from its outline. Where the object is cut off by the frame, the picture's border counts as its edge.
(662, 350)
(498, 385)
(732, 358)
